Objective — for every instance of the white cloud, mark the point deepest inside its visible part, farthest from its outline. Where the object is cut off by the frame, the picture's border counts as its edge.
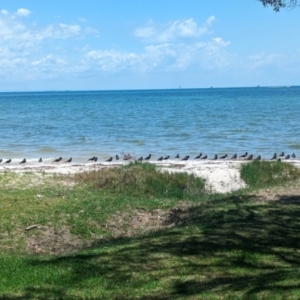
(23, 12)
(261, 60)
(164, 57)
(111, 60)
(174, 30)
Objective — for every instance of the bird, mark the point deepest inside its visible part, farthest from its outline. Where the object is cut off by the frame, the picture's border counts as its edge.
(110, 159)
(23, 161)
(8, 161)
(177, 156)
(224, 156)
(287, 157)
(198, 156)
(148, 157)
(244, 155)
(186, 157)
(216, 157)
(40, 160)
(161, 158)
(274, 156)
(234, 156)
(127, 157)
(167, 157)
(250, 157)
(281, 154)
(204, 157)
(92, 158)
(258, 157)
(95, 159)
(293, 155)
(58, 159)
(1, 160)
(141, 158)
(69, 160)
(117, 157)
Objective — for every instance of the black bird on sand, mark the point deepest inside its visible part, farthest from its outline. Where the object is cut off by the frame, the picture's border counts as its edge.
(234, 156)
(250, 157)
(40, 160)
(258, 157)
(1, 160)
(8, 161)
(244, 155)
(198, 156)
(274, 156)
(224, 156)
(216, 157)
(110, 159)
(204, 157)
(148, 157)
(287, 157)
(141, 158)
(117, 157)
(293, 155)
(177, 156)
(186, 157)
(92, 158)
(281, 154)
(69, 160)
(161, 158)
(58, 159)
(23, 161)
(167, 157)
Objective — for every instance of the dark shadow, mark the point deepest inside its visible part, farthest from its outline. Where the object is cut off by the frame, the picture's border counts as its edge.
(237, 245)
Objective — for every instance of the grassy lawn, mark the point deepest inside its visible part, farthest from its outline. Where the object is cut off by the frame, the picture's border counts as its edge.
(134, 233)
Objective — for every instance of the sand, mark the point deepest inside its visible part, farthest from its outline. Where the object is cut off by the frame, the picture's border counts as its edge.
(222, 176)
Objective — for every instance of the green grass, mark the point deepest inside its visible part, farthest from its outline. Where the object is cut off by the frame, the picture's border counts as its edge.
(259, 174)
(144, 180)
(235, 246)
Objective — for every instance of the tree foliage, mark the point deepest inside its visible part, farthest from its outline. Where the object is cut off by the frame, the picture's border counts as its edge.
(278, 4)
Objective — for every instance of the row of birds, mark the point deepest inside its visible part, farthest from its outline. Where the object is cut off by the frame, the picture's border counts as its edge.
(200, 156)
(245, 156)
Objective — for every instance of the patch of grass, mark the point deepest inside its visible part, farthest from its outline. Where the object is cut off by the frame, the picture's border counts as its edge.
(232, 248)
(260, 174)
(144, 180)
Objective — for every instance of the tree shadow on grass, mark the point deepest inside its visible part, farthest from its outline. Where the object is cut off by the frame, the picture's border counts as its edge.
(237, 247)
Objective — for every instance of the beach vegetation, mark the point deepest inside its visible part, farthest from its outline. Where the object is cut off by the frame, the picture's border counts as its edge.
(260, 174)
(144, 180)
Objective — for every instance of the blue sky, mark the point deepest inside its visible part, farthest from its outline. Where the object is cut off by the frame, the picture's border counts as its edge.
(139, 44)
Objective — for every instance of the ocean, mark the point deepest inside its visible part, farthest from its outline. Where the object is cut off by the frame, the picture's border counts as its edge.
(82, 124)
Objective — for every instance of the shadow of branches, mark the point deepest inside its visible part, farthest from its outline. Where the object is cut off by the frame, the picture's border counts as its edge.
(238, 246)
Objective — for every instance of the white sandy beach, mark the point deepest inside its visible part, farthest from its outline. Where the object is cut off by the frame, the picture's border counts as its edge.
(220, 176)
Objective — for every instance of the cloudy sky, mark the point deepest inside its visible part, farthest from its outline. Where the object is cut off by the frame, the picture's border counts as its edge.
(140, 44)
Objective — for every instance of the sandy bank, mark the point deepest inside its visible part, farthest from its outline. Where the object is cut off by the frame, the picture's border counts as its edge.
(220, 176)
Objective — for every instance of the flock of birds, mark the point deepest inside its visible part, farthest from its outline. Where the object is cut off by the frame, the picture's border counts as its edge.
(244, 156)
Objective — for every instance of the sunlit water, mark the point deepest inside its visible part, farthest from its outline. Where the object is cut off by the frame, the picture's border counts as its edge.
(160, 122)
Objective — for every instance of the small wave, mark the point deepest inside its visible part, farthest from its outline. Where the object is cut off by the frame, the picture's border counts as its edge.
(137, 142)
(47, 149)
(295, 146)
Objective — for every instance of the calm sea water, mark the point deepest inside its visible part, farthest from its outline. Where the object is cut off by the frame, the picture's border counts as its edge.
(160, 122)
